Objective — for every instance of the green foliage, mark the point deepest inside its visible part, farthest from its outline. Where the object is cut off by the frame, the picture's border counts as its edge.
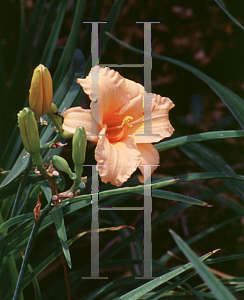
(23, 231)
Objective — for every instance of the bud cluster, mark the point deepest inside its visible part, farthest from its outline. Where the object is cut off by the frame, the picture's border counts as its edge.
(40, 102)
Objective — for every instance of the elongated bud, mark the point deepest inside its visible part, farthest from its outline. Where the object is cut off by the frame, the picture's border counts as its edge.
(28, 130)
(79, 149)
(61, 164)
(55, 117)
(41, 91)
(79, 146)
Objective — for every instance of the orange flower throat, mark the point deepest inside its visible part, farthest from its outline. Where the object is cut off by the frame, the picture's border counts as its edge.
(122, 130)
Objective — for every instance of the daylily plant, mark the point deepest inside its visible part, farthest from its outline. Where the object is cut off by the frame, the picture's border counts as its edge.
(119, 125)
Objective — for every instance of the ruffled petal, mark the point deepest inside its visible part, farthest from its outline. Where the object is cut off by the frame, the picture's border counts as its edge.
(135, 107)
(116, 162)
(159, 122)
(113, 95)
(78, 116)
(149, 156)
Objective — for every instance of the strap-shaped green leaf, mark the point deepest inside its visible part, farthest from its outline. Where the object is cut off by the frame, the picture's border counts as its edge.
(19, 166)
(108, 27)
(213, 161)
(46, 32)
(171, 287)
(176, 197)
(162, 183)
(13, 274)
(199, 236)
(11, 265)
(36, 286)
(54, 34)
(97, 6)
(71, 44)
(218, 289)
(25, 46)
(16, 220)
(221, 5)
(3, 85)
(85, 200)
(58, 219)
(51, 255)
(147, 287)
(205, 136)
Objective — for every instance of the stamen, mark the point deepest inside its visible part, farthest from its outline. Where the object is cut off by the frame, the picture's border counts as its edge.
(127, 120)
(124, 130)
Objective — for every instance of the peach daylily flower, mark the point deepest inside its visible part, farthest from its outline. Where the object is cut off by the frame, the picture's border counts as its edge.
(120, 148)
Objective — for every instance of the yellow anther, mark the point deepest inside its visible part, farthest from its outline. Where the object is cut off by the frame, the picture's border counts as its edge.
(127, 120)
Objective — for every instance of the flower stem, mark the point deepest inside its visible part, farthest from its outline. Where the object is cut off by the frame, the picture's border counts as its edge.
(28, 251)
(77, 179)
(49, 144)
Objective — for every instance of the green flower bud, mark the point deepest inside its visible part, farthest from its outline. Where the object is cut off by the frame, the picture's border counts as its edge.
(28, 130)
(41, 91)
(79, 148)
(61, 164)
(54, 116)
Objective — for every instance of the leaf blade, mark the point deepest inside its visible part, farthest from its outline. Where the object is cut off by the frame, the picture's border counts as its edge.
(147, 287)
(205, 136)
(222, 6)
(57, 216)
(69, 49)
(218, 289)
(53, 37)
(175, 197)
(212, 161)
